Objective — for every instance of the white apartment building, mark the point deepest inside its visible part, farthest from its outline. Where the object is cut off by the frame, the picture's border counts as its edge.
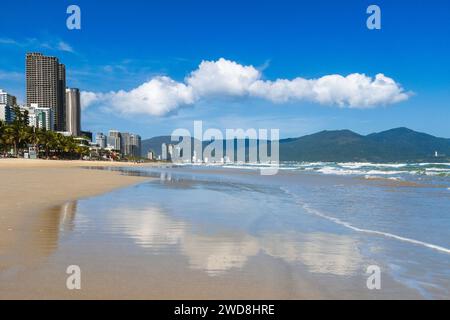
(7, 101)
(40, 117)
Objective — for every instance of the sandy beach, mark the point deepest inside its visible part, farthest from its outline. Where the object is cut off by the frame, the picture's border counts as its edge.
(209, 233)
(29, 186)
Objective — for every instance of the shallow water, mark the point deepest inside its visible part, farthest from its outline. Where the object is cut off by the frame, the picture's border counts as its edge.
(209, 232)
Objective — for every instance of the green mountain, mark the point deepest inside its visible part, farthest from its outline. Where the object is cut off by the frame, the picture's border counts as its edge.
(395, 145)
(400, 144)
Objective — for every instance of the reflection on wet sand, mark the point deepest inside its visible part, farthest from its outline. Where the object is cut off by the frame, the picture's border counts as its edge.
(166, 241)
(152, 228)
(41, 236)
(67, 214)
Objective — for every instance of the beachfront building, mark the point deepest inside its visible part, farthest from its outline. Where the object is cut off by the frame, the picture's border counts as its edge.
(40, 117)
(114, 140)
(7, 99)
(46, 85)
(150, 155)
(7, 102)
(100, 140)
(73, 112)
(136, 145)
(6, 113)
(130, 144)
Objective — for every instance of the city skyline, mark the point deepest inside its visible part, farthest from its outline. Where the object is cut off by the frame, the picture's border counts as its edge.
(52, 106)
(116, 82)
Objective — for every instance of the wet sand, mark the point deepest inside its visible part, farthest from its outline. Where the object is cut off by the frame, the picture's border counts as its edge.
(181, 235)
(27, 187)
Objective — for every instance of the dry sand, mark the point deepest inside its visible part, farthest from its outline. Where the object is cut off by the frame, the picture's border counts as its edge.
(29, 186)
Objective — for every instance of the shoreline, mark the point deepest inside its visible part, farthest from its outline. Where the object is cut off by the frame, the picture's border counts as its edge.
(30, 186)
(39, 163)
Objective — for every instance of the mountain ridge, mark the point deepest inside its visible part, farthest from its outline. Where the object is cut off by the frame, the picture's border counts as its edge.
(393, 145)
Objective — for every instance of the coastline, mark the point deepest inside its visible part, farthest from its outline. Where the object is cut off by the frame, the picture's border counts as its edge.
(29, 186)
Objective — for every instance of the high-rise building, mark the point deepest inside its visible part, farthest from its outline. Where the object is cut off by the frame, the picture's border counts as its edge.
(73, 112)
(100, 139)
(114, 140)
(136, 145)
(6, 113)
(130, 144)
(61, 112)
(46, 80)
(7, 101)
(125, 143)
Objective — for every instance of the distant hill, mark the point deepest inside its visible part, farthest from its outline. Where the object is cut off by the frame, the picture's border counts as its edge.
(153, 144)
(400, 144)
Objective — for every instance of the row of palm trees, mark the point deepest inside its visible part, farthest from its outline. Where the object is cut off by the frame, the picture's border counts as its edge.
(17, 137)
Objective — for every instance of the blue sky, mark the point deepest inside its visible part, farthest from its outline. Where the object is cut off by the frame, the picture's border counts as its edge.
(123, 45)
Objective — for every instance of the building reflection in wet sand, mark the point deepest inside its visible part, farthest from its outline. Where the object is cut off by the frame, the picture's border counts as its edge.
(153, 229)
(41, 236)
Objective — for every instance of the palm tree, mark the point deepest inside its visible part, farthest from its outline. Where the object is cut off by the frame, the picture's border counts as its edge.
(16, 135)
(47, 141)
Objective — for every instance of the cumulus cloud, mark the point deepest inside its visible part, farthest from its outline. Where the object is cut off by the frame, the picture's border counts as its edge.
(222, 78)
(88, 98)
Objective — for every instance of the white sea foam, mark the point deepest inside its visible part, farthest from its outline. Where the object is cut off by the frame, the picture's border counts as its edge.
(354, 168)
(369, 177)
(367, 231)
(357, 165)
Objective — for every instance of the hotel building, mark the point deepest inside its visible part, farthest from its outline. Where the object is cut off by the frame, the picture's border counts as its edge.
(7, 101)
(100, 140)
(73, 112)
(46, 85)
(114, 140)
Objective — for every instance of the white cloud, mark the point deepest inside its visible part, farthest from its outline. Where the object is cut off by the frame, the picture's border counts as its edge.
(64, 46)
(87, 98)
(222, 78)
(353, 91)
(37, 44)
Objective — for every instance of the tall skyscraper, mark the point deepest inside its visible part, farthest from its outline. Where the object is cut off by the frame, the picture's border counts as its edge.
(46, 80)
(73, 112)
(114, 140)
(61, 112)
(136, 145)
(131, 144)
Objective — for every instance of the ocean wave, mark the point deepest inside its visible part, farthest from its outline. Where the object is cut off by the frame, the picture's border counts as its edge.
(341, 171)
(362, 230)
(380, 169)
(373, 177)
(357, 165)
(352, 168)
